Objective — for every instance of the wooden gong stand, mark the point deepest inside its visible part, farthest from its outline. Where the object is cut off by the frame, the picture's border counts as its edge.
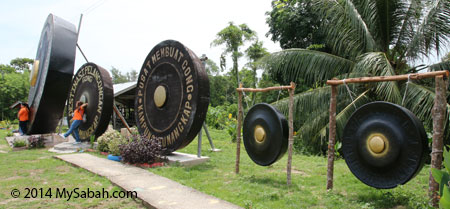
(438, 113)
(291, 90)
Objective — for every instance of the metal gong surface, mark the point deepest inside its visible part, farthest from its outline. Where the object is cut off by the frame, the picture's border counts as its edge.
(265, 134)
(384, 144)
(51, 75)
(172, 95)
(93, 85)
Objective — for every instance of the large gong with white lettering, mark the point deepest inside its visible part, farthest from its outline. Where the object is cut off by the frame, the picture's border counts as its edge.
(172, 95)
(92, 84)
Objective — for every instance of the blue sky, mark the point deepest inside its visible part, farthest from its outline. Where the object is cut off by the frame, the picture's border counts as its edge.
(121, 33)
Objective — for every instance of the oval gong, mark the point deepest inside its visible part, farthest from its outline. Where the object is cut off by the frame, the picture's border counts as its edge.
(265, 134)
(51, 75)
(384, 144)
(93, 85)
(172, 95)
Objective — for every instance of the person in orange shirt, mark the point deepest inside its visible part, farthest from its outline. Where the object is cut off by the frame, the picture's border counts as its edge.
(23, 118)
(77, 120)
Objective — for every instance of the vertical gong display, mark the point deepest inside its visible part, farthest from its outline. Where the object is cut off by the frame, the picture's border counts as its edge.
(93, 85)
(172, 95)
(51, 75)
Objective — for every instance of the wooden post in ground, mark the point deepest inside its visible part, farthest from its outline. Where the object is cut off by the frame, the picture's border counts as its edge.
(291, 132)
(332, 137)
(439, 113)
(238, 130)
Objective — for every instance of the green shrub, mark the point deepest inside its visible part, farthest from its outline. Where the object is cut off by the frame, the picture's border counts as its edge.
(442, 177)
(19, 143)
(110, 142)
(9, 134)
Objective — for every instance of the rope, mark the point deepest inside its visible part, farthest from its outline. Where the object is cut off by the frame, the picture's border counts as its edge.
(406, 90)
(437, 151)
(350, 94)
(278, 98)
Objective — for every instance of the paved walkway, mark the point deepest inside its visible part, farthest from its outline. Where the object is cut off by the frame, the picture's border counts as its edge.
(155, 191)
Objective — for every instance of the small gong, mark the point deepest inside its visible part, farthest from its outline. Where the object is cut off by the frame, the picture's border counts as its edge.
(384, 144)
(265, 133)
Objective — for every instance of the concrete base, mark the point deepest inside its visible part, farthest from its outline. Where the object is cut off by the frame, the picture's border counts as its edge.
(49, 141)
(186, 159)
(69, 147)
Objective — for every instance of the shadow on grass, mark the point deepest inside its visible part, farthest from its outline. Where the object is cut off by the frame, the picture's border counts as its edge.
(201, 167)
(269, 181)
(385, 199)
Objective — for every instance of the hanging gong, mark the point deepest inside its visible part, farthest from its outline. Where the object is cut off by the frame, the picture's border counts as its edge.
(51, 75)
(265, 133)
(172, 95)
(93, 85)
(384, 144)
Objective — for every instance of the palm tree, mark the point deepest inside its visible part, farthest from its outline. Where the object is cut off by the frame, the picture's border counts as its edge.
(367, 38)
(255, 52)
(233, 37)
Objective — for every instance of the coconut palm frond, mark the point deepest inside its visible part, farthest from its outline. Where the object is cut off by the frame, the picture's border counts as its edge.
(406, 31)
(347, 32)
(420, 100)
(377, 64)
(440, 66)
(304, 66)
(317, 129)
(434, 31)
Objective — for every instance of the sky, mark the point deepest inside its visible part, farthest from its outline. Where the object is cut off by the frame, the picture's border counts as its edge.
(121, 33)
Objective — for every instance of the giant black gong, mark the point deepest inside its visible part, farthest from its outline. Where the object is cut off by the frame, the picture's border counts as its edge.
(384, 144)
(51, 75)
(93, 85)
(265, 133)
(172, 95)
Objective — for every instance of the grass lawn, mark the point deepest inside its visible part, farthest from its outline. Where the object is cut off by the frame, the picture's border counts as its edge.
(265, 187)
(38, 169)
(254, 187)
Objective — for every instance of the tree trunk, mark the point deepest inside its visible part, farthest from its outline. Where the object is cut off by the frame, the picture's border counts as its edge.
(238, 130)
(332, 137)
(439, 115)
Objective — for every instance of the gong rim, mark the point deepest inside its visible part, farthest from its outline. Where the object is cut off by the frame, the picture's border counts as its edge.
(93, 84)
(172, 95)
(406, 144)
(276, 131)
(52, 75)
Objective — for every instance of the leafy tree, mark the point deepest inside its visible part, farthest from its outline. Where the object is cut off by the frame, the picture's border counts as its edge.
(233, 37)
(212, 68)
(22, 64)
(223, 90)
(13, 87)
(255, 52)
(294, 23)
(118, 77)
(446, 57)
(366, 38)
(132, 76)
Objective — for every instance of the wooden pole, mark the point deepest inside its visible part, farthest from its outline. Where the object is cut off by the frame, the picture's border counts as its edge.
(291, 132)
(438, 113)
(266, 89)
(390, 78)
(238, 130)
(332, 137)
(122, 119)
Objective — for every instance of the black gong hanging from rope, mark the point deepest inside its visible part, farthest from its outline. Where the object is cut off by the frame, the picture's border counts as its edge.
(51, 75)
(172, 95)
(93, 85)
(265, 133)
(384, 144)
